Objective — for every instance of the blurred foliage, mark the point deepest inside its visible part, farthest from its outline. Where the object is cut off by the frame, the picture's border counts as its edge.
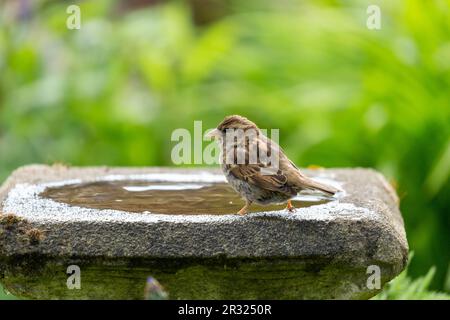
(4, 295)
(341, 95)
(404, 288)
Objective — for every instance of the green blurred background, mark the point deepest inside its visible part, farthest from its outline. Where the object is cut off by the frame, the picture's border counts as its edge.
(342, 95)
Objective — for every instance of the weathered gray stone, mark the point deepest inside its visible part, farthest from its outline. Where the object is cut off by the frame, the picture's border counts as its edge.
(318, 252)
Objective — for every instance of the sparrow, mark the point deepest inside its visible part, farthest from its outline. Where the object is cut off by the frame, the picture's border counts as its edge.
(256, 167)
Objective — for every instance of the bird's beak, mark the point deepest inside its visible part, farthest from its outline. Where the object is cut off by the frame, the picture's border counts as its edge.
(213, 134)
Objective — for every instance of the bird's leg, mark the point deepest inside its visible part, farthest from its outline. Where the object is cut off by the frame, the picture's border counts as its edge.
(290, 207)
(245, 208)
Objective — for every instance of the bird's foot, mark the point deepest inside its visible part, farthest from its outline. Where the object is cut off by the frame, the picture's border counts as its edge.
(242, 211)
(290, 207)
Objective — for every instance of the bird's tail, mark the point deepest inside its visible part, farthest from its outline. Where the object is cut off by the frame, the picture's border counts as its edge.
(311, 184)
(305, 182)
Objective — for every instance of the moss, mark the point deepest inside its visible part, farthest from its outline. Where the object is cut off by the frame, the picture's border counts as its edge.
(14, 229)
(45, 278)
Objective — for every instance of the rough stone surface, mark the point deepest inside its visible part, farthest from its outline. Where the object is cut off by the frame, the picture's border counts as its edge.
(321, 251)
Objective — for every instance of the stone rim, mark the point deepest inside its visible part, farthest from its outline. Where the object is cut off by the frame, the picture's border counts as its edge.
(384, 216)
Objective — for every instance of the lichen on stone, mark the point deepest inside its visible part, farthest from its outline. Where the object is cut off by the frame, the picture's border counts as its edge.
(9, 220)
(34, 235)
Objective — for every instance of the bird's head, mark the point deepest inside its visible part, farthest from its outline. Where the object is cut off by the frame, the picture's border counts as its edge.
(234, 122)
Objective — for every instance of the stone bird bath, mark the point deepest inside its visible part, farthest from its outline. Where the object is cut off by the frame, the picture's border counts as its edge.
(122, 225)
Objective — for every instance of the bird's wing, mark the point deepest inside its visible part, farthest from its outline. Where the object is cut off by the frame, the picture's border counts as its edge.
(252, 174)
(261, 173)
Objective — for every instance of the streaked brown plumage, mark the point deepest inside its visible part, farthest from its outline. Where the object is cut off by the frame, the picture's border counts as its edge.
(256, 178)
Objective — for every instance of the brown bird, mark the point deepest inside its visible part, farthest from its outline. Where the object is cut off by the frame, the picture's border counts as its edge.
(256, 167)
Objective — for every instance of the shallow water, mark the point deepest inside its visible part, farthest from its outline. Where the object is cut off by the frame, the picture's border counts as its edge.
(141, 196)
